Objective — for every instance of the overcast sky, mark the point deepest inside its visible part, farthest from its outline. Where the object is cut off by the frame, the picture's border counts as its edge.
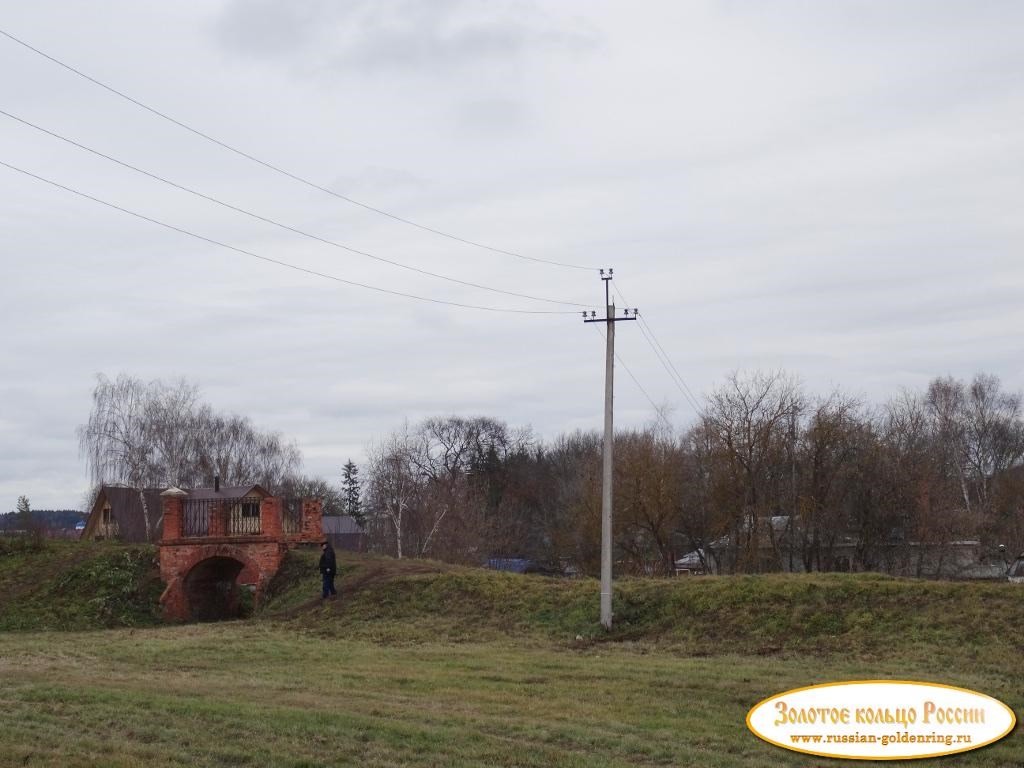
(830, 188)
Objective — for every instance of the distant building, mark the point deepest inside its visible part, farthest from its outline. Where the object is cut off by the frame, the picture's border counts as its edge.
(344, 533)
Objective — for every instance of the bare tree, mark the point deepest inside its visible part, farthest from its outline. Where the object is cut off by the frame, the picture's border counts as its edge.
(391, 489)
(298, 487)
(150, 434)
(647, 500)
(748, 426)
(703, 517)
(570, 499)
(117, 440)
(977, 438)
(825, 470)
(459, 461)
(231, 448)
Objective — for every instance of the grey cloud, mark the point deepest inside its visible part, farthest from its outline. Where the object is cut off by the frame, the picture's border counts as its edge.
(378, 180)
(495, 116)
(789, 184)
(395, 35)
(270, 29)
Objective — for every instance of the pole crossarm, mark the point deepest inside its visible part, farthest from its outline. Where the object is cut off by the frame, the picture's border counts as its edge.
(609, 319)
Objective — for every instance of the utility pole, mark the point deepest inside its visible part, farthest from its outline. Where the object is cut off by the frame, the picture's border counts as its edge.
(606, 478)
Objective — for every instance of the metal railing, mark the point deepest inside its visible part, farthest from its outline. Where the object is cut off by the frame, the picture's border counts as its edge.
(195, 517)
(238, 517)
(291, 515)
(244, 519)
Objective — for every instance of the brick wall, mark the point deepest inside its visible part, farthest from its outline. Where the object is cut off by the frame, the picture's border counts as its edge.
(260, 555)
(312, 521)
(270, 517)
(173, 512)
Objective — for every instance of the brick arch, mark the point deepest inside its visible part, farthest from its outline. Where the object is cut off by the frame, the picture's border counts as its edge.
(213, 590)
(259, 562)
(202, 553)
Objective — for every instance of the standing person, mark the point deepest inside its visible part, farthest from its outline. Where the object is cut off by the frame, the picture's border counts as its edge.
(328, 568)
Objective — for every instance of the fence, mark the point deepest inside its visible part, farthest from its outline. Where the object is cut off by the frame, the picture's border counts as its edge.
(238, 517)
(291, 515)
(244, 519)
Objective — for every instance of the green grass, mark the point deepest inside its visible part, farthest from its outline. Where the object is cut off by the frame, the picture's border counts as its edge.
(422, 664)
(78, 585)
(247, 693)
(858, 616)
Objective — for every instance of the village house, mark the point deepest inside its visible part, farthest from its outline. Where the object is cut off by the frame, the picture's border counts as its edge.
(118, 513)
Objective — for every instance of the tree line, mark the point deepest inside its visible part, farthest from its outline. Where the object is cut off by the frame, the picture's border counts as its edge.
(22, 518)
(769, 477)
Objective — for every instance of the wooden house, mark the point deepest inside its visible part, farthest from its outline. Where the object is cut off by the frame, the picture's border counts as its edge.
(117, 512)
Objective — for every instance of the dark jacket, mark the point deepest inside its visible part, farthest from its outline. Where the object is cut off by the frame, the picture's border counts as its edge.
(328, 565)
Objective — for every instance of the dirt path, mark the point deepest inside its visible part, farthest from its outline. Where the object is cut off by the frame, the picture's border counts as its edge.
(378, 574)
(364, 576)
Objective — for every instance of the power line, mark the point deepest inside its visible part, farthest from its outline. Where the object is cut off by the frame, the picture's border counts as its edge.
(663, 358)
(652, 341)
(645, 328)
(282, 171)
(689, 398)
(279, 224)
(283, 263)
(636, 381)
(674, 373)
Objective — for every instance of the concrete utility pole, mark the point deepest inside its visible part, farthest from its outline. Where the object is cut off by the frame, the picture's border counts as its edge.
(609, 437)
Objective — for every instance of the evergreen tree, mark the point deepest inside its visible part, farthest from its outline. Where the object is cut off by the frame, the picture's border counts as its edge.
(350, 490)
(24, 512)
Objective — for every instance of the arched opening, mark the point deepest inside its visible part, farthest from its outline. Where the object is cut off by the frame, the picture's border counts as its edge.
(212, 591)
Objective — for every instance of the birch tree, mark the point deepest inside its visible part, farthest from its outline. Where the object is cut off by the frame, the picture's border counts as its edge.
(156, 434)
(392, 488)
(117, 441)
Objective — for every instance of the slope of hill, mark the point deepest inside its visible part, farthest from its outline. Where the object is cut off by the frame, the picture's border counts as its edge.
(861, 614)
(82, 585)
(73, 585)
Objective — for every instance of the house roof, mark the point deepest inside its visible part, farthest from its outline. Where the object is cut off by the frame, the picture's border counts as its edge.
(228, 492)
(340, 524)
(691, 559)
(126, 510)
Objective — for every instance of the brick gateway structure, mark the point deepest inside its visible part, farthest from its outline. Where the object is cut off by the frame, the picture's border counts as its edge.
(215, 547)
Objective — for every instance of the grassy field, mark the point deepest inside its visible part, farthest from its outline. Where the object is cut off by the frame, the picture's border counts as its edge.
(421, 664)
